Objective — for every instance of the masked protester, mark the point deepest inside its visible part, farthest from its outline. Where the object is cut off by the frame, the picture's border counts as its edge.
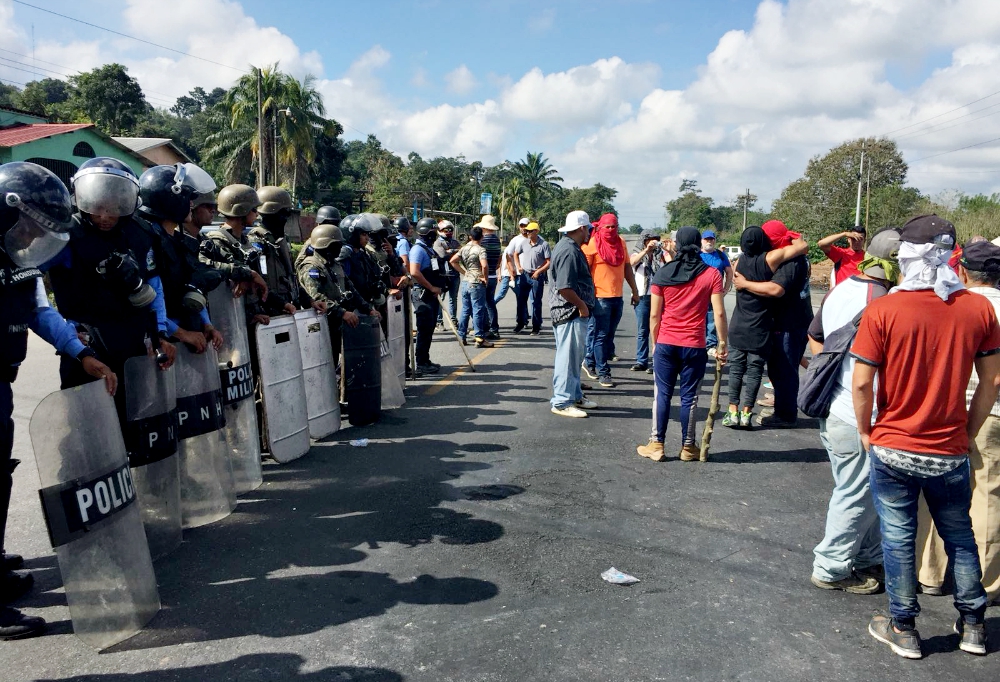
(35, 222)
(275, 255)
(427, 271)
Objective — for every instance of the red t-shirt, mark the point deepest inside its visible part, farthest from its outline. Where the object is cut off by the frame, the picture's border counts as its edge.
(924, 349)
(685, 307)
(845, 262)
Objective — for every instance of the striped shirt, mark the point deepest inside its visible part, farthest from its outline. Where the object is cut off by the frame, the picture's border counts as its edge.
(491, 243)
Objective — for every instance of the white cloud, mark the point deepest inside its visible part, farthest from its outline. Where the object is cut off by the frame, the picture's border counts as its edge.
(542, 22)
(461, 80)
(420, 79)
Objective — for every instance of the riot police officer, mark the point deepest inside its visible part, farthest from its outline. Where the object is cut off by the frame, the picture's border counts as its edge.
(382, 249)
(203, 209)
(35, 219)
(275, 255)
(166, 193)
(427, 271)
(362, 268)
(328, 215)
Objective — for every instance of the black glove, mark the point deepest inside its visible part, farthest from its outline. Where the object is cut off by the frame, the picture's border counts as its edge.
(121, 271)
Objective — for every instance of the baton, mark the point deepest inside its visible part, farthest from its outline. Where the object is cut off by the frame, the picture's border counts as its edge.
(706, 437)
(454, 330)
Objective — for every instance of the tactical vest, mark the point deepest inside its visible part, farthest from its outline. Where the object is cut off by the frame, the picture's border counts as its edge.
(17, 309)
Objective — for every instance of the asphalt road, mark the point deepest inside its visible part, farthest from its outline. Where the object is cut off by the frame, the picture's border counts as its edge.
(466, 543)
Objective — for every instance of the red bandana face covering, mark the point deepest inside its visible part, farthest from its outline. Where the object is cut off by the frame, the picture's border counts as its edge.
(609, 245)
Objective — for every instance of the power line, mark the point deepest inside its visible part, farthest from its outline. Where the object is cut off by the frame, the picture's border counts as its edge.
(130, 37)
(952, 151)
(159, 100)
(926, 119)
(935, 129)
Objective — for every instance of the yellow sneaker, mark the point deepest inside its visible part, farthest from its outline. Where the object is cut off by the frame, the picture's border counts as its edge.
(652, 450)
(690, 453)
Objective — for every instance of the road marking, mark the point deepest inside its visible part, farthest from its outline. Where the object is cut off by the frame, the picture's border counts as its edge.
(441, 384)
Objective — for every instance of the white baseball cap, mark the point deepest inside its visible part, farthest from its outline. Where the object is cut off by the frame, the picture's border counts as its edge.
(575, 220)
(523, 222)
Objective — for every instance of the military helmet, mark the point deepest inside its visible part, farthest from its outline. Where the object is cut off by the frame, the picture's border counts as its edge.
(327, 215)
(274, 199)
(237, 201)
(425, 226)
(205, 198)
(324, 235)
(401, 224)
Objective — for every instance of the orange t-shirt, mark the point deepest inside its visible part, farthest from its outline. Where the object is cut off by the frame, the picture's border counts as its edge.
(924, 349)
(608, 281)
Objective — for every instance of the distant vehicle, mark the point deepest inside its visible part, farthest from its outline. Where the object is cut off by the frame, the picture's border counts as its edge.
(734, 252)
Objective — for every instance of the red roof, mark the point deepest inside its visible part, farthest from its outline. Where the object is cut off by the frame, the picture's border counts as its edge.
(11, 137)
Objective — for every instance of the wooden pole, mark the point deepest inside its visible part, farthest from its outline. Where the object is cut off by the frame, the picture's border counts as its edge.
(262, 175)
(706, 437)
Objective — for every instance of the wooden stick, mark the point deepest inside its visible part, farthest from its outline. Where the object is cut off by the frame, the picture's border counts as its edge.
(706, 437)
(446, 314)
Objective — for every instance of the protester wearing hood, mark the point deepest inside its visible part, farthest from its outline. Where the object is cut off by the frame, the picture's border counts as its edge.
(720, 261)
(681, 293)
(607, 256)
(849, 557)
(646, 259)
(922, 341)
(791, 307)
(979, 271)
(752, 323)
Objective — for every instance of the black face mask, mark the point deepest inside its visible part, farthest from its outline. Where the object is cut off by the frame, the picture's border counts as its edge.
(331, 252)
(275, 223)
(430, 238)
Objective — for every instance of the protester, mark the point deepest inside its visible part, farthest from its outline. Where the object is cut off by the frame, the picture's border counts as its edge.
(646, 259)
(753, 323)
(514, 273)
(494, 254)
(609, 267)
(470, 262)
(681, 293)
(570, 302)
(533, 257)
(849, 557)
(447, 246)
(717, 259)
(980, 271)
(792, 311)
(922, 341)
(845, 261)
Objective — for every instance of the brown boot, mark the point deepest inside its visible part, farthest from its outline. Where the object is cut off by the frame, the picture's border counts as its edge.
(653, 450)
(690, 453)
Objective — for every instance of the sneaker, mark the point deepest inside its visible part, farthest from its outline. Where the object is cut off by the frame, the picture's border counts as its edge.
(768, 385)
(483, 343)
(690, 453)
(535, 332)
(13, 586)
(649, 370)
(652, 450)
(877, 572)
(745, 419)
(775, 422)
(852, 584)
(493, 336)
(10, 562)
(464, 341)
(732, 419)
(614, 358)
(606, 382)
(569, 411)
(586, 403)
(428, 369)
(589, 370)
(767, 400)
(973, 637)
(638, 368)
(712, 352)
(16, 625)
(518, 328)
(585, 386)
(905, 644)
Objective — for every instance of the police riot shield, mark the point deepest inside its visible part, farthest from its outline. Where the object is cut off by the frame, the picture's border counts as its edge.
(151, 440)
(208, 492)
(88, 497)
(318, 373)
(242, 435)
(286, 421)
(363, 371)
(396, 311)
(392, 392)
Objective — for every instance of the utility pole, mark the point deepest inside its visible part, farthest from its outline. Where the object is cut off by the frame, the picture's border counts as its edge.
(746, 201)
(868, 193)
(261, 179)
(861, 171)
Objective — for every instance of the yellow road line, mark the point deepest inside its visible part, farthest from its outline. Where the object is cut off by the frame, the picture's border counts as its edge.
(441, 384)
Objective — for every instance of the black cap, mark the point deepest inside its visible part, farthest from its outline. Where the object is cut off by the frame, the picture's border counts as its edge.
(981, 257)
(929, 229)
(649, 234)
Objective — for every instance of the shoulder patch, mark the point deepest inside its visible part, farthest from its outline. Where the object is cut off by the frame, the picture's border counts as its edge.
(150, 261)
(314, 273)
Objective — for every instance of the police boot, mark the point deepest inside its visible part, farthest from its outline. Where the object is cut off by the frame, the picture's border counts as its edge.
(13, 586)
(8, 562)
(16, 625)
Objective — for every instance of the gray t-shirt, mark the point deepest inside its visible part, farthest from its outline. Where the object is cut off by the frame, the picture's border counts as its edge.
(533, 256)
(469, 257)
(569, 271)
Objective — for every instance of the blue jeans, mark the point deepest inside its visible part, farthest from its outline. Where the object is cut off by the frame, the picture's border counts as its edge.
(642, 331)
(501, 290)
(532, 289)
(948, 498)
(852, 540)
(492, 318)
(570, 340)
(669, 362)
(711, 338)
(601, 334)
(521, 291)
(451, 288)
(783, 369)
(474, 306)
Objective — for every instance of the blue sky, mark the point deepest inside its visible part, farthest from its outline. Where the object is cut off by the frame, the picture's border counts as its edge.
(635, 94)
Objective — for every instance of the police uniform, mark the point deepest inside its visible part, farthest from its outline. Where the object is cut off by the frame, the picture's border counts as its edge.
(275, 267)
(366, 275)
(324, 280)
(426, 305)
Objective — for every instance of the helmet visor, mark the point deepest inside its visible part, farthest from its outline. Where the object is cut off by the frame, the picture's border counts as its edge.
(30, 243)
(106, 193)
(193, 178)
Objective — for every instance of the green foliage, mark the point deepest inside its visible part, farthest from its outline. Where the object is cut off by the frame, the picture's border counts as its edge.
(110, 98)
(634, 228)
(690, 208)
(539, 178)
(976, 215)
(9, 96)
(596, 201)
(47, 97)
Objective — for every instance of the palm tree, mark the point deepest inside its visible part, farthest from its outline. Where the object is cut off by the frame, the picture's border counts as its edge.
(302, 121)
(538, 177)
(513, 200)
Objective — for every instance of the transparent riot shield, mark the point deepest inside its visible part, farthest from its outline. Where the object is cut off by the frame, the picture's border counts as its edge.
(151, 441)
(285, 414)
(242, 435)
(88, 497)
(362, 371)
(392, 392)
(318, 373)
(207, 489)
(396, 323)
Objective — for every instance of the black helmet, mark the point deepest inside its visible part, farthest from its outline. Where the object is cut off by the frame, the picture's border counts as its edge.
(425, 226)
(327, 215)
(105, 186)
(166, 191)
(401, 224)
(36, 213)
